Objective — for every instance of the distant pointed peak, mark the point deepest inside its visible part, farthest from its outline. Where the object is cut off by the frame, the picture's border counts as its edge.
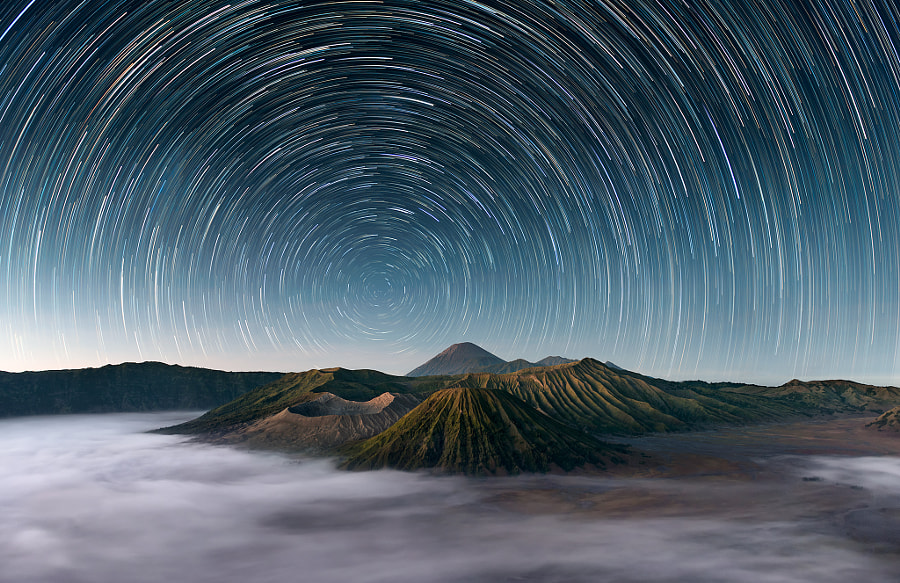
(458, 359)
(467, 348)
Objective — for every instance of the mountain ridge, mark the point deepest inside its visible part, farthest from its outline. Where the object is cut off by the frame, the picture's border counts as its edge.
(294, 389)
(535, 419)
(466, 357)
(322, 422)
(585, 394)
(481, 432)
(589, 394)
(129, 386)
(888, 421)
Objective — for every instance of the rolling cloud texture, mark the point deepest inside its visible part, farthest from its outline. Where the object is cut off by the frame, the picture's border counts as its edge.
(91, 499)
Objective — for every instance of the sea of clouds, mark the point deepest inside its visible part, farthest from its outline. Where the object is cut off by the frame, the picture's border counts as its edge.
(95, 499)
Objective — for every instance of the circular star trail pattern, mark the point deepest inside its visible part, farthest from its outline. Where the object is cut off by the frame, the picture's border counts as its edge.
(686, 188)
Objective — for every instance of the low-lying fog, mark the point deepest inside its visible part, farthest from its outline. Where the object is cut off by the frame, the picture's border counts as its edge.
(93, 499)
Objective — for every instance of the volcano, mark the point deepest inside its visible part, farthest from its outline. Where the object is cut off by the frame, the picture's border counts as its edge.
(481, 432)
(459, 359)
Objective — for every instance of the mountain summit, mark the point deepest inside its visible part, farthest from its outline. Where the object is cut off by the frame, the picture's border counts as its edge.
(466, 357)
(458, 359)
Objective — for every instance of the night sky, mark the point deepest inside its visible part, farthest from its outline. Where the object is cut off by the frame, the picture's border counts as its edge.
(689, 189)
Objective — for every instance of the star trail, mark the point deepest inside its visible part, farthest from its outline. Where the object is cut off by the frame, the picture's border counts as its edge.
(690, 189)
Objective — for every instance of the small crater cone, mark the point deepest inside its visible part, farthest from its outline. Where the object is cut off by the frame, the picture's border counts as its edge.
(323, 423)
(889, 421)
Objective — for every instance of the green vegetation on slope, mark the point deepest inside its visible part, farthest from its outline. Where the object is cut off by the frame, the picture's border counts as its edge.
(529, 420)
(509, 367)
(887, 421)
(295, 388)
(480, 431)
(827, 396)
(590, 395)
(145, 386)
(585, 394)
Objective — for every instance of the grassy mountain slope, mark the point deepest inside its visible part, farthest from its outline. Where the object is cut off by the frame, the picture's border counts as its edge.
(887, 421)
(508, 367)
(828, 396)
(591, 395)
(585, 394)
(323, 422)
(530, 420)
(296, 388)
(521, 364)
(480, 431)
(145, 386)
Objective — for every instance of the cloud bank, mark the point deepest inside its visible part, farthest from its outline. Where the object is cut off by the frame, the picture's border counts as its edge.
(93, 499)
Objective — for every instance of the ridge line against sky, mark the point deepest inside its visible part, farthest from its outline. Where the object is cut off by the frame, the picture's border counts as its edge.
(691, 190)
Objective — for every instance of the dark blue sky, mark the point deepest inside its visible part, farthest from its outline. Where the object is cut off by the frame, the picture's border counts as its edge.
(689, 189)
